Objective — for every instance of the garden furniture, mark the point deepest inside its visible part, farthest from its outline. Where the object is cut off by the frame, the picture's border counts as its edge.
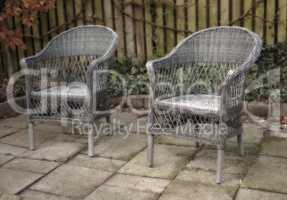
(197, 90)
(67, 79)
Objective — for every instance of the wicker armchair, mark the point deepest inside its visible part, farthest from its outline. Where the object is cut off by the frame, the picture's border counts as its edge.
(198, 89)
(67, 79)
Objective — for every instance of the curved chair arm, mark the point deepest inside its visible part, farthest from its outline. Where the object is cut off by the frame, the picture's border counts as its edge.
(102, 64)
(157, 77)
(232, 89)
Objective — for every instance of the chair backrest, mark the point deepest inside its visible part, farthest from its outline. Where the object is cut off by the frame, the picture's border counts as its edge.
(89, 40)
(219, 45)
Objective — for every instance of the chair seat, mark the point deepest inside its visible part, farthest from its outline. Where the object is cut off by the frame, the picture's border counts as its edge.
(197, 104)
(76, 92)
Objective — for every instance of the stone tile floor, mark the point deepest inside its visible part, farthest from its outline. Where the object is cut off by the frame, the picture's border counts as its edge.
(59, 169)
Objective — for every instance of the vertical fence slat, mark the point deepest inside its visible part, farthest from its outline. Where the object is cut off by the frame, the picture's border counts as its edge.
(282, 21)
(259, 20)
(180, 19)
(270, 24)
(148, 18)
(139, 29)
(53, 21)
(191, 16)
(248, 13)
(201, 14)
(159, 29)
(224, 12)
(170, 34)
(119, 28)
(108, 13)
(213, 13)
(129, 28)
(89, 15)
(99, 12)
(78, 10)
(236, 12)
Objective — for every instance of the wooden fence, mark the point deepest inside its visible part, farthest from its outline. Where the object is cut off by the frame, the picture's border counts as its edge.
(151, 28)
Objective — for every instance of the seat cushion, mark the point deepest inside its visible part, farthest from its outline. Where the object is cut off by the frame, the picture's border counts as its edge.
(75, 91)
(196, 104)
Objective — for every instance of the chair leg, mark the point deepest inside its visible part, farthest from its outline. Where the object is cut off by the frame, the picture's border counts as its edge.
(31, 136)
(220, 164)
(91, 144)
(150, 152)
(240, 144)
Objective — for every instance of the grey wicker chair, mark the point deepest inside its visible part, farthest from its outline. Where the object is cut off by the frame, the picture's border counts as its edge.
(61, 80)
(198, 89)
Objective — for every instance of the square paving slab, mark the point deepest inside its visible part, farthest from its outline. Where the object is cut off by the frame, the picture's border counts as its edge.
(120, 147)
(145, 184)
(105, 164)
(116, 193)
(206, 160)
(55, 151)
(231, 181)
(36, 166)
(11, 150)
(6, 196)
(169, 160)
(183, 190)
(268, 173)
(14, 181)
(5, 158)
(21, 138)
(244, 194)
(36, 195)
(18, 122)
(5, 131)
(72, 181)
(274, 146)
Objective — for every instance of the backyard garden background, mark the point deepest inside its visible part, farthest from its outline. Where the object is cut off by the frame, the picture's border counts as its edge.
(147, 29)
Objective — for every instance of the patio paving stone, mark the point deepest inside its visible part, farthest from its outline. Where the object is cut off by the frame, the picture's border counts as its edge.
(36, 195)
(21, 138)
(274, 146)
(182, 190)
(169, 160)
(244, 194)
(36, 166)
(55, 151)
(105, 164)
(231, 181)
(13, 181)
(145, 184)
(51, 127)
(11, 150)
(268, 173)
(5, 158)
(72, 181)
(6, 196)
(19, 122)
(171, 140)
(116, 193)
(234, 164)
(4, 131)
(119, 147)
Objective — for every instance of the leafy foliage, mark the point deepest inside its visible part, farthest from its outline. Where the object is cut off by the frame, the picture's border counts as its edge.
(272, 57)
(25, 11)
